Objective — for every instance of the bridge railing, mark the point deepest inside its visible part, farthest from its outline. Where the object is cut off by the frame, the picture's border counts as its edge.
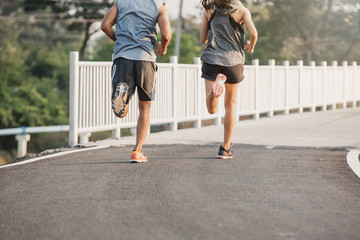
(22, 135)
(180, 94)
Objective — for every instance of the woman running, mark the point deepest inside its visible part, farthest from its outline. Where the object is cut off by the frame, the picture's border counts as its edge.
(223, 58)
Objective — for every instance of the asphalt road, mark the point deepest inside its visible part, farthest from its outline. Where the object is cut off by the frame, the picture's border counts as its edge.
(183, 192)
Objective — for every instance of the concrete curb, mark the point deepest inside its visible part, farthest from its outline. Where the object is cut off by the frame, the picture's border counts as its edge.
(51, 156)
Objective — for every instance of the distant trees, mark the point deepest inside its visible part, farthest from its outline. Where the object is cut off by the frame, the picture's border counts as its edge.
(309, 29)
(29, 93)
(33, 84)
(82, 15)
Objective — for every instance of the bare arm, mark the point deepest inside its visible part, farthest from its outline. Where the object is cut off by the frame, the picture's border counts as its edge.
(253, 35)
(109, 21)
(165, 30)
(204, 35)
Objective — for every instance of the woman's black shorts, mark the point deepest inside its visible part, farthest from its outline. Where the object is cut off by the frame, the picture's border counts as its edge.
(234, 74)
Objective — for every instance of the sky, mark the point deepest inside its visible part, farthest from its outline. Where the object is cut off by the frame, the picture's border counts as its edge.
(189, 8)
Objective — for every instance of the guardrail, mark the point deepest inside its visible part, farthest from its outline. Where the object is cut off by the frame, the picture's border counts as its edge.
(180, 96)
(22, 135)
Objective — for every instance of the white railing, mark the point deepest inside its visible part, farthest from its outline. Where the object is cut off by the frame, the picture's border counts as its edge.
(22, 135)
(180, 94)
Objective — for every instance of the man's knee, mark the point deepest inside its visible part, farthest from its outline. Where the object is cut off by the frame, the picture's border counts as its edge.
(144, 105)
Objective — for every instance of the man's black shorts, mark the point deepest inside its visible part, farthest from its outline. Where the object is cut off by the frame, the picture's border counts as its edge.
(234, 74)
(136, 74)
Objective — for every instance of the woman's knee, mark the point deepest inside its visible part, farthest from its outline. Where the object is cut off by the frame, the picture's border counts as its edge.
(230, 104)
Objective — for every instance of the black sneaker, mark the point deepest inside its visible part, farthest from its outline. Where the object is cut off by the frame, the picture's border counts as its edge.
(224, 154)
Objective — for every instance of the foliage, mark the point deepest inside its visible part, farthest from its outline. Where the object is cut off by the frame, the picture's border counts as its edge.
(29, 85)
(103, 50)
(189, 49)
(309, 30)
(80, 16)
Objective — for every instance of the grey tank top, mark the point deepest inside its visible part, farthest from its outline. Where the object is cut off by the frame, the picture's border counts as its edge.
(225, 45)
(136, 29)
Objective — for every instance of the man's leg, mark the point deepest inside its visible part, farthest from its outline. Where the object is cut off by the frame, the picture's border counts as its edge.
(230, 113)
(211, 101)
(123, 86)
(143, 123)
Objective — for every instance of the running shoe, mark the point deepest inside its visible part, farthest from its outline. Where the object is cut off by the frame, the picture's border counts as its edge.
(119, 100)
(224, 154)
(218, 86)
(137, 157)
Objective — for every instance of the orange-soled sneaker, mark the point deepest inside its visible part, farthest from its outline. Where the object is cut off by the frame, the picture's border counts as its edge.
(218, 86)
(137, 157)
(120, 98)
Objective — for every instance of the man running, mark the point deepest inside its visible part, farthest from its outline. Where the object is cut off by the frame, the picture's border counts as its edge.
(134, 58)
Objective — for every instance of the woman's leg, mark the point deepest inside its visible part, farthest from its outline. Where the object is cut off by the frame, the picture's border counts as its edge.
(211, 101)
(230, 113)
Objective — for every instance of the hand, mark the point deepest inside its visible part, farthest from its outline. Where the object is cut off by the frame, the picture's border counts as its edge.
(160, 50)
(248, 47)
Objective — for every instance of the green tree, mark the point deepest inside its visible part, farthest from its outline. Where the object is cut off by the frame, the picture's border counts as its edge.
(103, 50)
(26, 99)
(309, 29)
(81, 16)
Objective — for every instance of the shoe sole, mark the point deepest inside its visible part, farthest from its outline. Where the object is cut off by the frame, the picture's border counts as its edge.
(218, 86)
(224, 157)
(118, 102)
(137, 161)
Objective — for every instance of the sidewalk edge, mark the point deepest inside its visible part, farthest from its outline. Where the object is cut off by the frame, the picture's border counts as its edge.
(51, 155)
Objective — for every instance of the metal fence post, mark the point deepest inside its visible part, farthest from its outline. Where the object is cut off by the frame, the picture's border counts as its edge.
(219, 112)
(174, 124)
(287, 105)
(313, 65)
(255, 62)
(300, 64)
(354, 65)
(333, 104)
(116, 133)
(324, 84)
(345, 65)
(74, 91)
(84, 137)
(22, 140)
(197, 62)
(272, 87)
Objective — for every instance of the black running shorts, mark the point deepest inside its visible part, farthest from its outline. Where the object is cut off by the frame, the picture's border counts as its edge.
(135, 74)
(234, 74)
